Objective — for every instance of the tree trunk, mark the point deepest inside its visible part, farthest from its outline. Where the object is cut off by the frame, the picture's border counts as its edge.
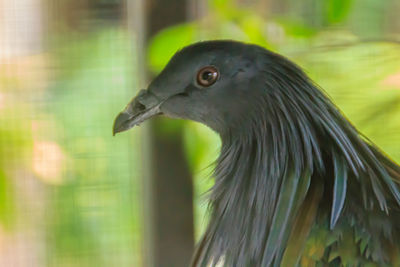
(169, 234)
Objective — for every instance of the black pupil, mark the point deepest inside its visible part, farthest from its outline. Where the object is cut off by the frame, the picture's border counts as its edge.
(207, 76)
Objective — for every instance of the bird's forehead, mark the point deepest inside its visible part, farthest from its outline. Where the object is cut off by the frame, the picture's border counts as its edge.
(192, 58)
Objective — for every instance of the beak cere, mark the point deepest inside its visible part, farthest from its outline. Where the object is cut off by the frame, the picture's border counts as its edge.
(144, 106)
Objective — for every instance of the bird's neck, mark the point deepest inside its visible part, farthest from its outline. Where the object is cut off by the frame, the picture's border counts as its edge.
(243, 197)
(244, 175)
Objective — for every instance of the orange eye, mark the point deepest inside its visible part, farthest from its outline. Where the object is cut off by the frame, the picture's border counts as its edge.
(207, 76)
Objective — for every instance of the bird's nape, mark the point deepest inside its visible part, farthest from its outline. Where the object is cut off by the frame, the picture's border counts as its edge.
(295, 182)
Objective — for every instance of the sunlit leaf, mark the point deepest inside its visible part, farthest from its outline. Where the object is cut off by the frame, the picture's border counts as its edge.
(255, 29)
(167, 42)
(337, 10)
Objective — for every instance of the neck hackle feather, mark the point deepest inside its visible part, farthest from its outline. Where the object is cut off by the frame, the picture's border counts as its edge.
(296, 169)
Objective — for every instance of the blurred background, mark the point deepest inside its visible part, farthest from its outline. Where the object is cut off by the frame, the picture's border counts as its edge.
(73, 195)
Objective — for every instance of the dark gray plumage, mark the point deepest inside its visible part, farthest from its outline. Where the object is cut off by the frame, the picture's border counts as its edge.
(295, 183)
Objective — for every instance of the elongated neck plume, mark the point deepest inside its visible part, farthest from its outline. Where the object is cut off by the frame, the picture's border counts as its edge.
(270, 163)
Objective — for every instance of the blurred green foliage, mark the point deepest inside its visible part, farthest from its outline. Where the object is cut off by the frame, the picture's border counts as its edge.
(63, 140)
(95, 212)
(337, 10)
(15, 148)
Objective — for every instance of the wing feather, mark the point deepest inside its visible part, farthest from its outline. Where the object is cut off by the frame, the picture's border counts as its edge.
(339, 188)
(292, 193)
(305, 219)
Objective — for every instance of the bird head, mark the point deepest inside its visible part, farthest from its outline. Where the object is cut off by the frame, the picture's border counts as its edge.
(213, 82)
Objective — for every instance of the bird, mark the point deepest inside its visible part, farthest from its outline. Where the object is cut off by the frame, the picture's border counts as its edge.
(296, 184)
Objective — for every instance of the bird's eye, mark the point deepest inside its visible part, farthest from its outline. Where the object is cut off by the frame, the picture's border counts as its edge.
(207, 76)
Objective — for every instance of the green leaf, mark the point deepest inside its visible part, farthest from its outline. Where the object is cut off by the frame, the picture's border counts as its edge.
(165, 44)
(295, 28)
(6, 202)
(337, 10)
(254, 27)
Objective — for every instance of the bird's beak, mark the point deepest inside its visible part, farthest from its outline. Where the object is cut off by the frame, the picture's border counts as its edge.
(142, 107)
